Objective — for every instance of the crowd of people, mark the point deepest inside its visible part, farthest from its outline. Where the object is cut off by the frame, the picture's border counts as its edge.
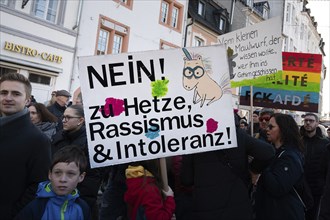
(278, 171)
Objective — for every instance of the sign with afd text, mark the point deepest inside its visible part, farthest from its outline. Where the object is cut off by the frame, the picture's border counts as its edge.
(254, 52)
(297, 89)
(155, 104)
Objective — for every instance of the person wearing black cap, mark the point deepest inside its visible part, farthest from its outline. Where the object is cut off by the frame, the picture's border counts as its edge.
(59, 106)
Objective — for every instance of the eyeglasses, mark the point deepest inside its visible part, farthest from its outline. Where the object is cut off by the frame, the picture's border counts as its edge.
(67, 117)
(270, 126)
(262, 118)
(197, 72)
(309, 121)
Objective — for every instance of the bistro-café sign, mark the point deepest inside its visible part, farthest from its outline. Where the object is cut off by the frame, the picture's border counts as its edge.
(27, 51)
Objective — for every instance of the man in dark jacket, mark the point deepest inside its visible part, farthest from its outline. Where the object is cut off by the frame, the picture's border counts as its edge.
(315, 160)
(220, 178)
(59, 106)
(25, 151)
(325, 201)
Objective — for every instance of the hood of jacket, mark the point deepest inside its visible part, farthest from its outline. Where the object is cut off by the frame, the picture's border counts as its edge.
(45, 126)
(136, 171)
(137, 181)
(59, 207)
(45, 191)
(317, 134)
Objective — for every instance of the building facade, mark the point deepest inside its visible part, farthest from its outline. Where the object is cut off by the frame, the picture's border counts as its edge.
(44, 39)
(121, 26)
(299, 28)
(38, 40)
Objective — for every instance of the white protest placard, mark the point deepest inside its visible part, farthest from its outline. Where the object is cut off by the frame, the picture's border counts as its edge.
(154, 104)
(254, 53)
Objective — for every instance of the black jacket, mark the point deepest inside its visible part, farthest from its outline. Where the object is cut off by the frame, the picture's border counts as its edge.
(36, 209)
(325, 201)
(89, 187)
(275, 197)
(58, 111)
(315, 161)
(220, 178)
(24, 160)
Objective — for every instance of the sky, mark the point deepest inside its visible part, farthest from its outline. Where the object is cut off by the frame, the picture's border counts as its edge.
(320, 10)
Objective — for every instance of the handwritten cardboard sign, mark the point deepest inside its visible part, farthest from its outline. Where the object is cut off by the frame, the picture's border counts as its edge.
(155, 104)
(254, 53)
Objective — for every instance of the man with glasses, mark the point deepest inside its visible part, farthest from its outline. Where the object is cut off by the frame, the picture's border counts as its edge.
(315, 160)
(264, 117)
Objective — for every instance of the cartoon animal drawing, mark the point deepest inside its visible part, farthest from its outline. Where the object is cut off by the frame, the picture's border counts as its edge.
(195, 77)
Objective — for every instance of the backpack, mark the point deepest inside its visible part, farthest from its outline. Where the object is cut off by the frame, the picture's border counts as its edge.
(301, 189)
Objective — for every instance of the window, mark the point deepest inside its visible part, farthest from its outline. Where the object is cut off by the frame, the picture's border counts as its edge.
(293, 14)
(198, 42)
(175, 17)
(164, 12)
(265, 14)
(126, 3)
(249, 3)
(201, 8)
(4, 2)
(302, 31)
(40, 79)
(221, 24)
(288, 14)
(102, 43)
(285, 44)
(171, 14)
(46, 9)
(117, 44)
(112, 37)
(6, 70)
(167, 45)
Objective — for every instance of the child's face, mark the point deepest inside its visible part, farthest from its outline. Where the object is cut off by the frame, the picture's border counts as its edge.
(65, 177)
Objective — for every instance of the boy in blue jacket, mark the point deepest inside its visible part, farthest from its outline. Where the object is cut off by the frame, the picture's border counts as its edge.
(59, 198)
